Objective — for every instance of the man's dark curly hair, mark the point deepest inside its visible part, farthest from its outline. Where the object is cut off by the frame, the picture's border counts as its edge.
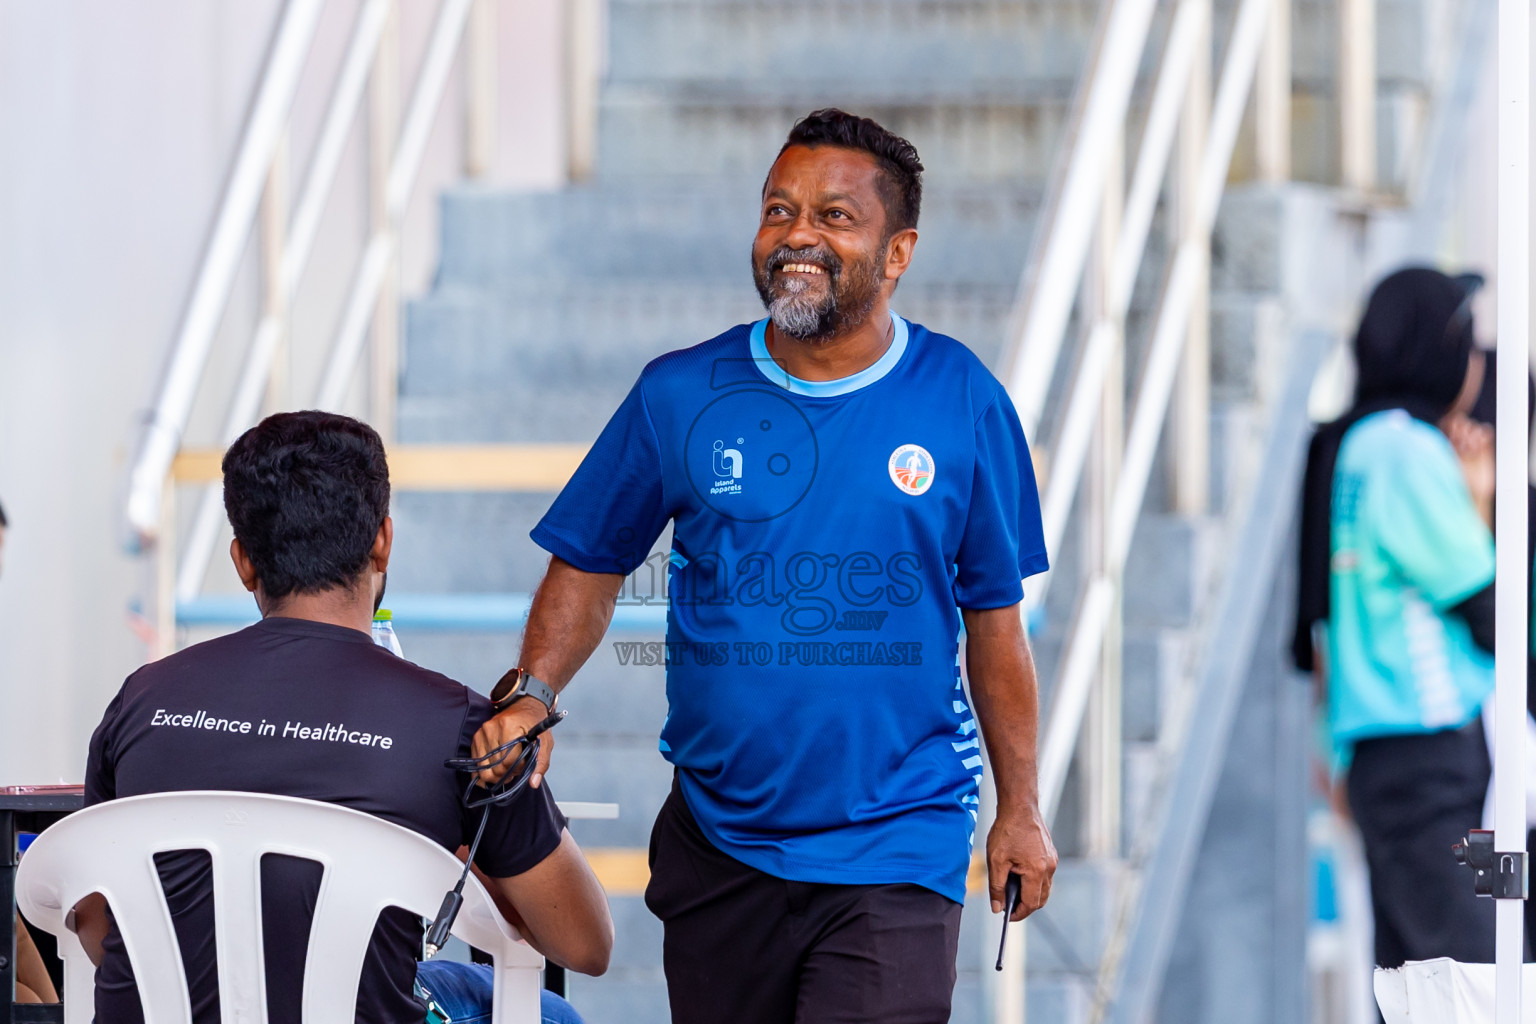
(901, 172)
(306, 493)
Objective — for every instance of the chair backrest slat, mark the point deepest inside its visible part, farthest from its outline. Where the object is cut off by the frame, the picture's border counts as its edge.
(132, 887)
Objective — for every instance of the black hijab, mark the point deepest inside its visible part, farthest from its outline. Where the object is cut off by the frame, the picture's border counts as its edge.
(1411, 353)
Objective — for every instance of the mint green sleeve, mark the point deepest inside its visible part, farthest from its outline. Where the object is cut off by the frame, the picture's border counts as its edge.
(1426, 523)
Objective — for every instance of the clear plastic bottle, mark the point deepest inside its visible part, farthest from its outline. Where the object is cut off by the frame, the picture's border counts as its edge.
(384, 631)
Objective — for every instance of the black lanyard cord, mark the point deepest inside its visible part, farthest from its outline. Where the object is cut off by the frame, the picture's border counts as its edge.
(524, 754)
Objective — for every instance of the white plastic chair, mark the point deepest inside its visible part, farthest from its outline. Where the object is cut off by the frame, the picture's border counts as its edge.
(369, 864)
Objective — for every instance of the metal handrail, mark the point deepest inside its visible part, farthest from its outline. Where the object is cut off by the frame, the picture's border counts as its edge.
(1071, 448)
(402, 176)
(1059, 257)
(362, 54)
(1086, 635)
(189, 356)
(243, 409)
(1055, 263)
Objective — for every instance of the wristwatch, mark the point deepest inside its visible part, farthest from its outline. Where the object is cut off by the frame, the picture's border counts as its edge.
(519, 683)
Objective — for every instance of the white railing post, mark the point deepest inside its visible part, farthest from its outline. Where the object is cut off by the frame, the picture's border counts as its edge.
(383, 137)
(480, 135)
(374, 268)
(1101, 751)
(299, 238)
(1002, 992)
(1357, 94)
(1191, 420)
(584, 63)
(165, 572)
(1272, 98)
(1512, 477)
(274, 289)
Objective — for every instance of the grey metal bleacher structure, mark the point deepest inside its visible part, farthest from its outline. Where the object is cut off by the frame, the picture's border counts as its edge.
(545, 307)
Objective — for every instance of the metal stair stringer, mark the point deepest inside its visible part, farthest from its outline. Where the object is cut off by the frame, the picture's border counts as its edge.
(1148, 917)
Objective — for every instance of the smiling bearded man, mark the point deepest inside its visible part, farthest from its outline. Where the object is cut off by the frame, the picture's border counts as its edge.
(832, 468)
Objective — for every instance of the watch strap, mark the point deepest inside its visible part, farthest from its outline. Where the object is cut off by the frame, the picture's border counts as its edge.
(519, 683)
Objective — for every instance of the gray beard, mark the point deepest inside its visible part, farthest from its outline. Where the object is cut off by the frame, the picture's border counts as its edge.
(797, 313)
(801, 315)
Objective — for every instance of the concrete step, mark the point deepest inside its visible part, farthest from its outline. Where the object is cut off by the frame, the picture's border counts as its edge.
(670, 39)
(465, 543)
(623, 995)
(1141, 776)
(1168, 571)
(1411, 43)
(992, 132)
(1153, 659)
(701, 232)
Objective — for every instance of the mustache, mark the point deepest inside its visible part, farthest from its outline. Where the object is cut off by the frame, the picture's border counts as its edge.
(820, 256)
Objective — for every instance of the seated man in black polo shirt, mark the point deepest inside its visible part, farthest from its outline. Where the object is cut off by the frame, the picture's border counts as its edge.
(332, 717)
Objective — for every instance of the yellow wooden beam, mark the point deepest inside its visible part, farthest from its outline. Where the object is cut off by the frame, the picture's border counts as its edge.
(465, 467)
(624, 871)
(438, 467)
(197, 465)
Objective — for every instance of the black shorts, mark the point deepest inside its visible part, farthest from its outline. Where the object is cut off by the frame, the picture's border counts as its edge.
(1413, 798)
(742, 946)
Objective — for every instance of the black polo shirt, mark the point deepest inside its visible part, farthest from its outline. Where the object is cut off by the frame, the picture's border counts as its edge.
(306, 709)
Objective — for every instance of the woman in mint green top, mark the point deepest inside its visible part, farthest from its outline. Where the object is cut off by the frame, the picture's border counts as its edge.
(1396, 587)
(1408, 547)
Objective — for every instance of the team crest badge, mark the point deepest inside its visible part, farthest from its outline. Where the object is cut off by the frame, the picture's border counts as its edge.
(911, 469)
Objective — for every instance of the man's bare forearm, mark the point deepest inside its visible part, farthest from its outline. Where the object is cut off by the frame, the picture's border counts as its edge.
(570, 613)
(1007, 699)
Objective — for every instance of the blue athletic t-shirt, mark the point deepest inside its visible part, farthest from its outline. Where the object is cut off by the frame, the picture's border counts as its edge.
(825, 536)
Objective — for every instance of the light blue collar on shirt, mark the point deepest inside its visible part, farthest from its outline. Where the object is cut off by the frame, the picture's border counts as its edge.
(827, 388)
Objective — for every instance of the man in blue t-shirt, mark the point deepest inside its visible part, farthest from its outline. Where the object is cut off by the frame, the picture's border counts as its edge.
(845, 489)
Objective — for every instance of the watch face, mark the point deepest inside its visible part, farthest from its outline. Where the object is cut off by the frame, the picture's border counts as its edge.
(506, 686)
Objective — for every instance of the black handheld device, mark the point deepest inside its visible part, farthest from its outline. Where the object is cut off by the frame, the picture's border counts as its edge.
(1010, 904)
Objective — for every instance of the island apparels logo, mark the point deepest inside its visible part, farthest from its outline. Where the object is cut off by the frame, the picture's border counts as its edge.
(751, 455)
(727, 468)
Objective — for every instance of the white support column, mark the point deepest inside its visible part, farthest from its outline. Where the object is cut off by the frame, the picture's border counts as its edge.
(383, 136)
(1272, 98)
(1357, 94)
(1512, 477)
(274, 286)
(165, 573)
(480, 109)
(584, 59)
(1102, 740)
(1002, 992)
(1191, 414)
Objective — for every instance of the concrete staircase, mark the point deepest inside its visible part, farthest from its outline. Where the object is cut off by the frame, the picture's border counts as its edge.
(546, 306)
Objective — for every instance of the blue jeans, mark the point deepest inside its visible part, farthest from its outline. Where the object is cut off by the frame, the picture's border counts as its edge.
(463, 992)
